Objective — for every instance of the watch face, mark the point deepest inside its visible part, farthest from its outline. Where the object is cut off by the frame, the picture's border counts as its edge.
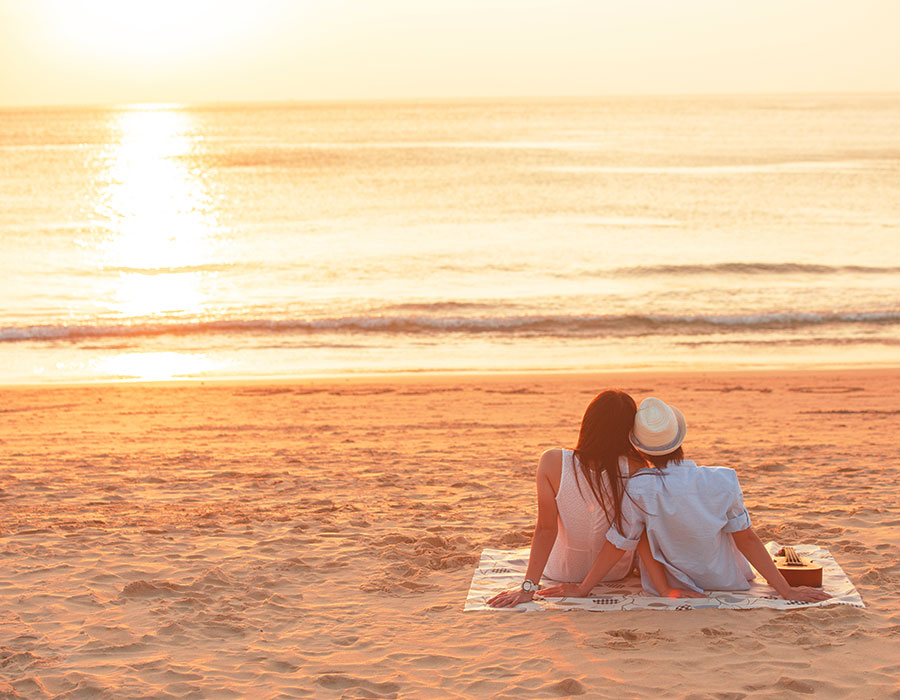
(528, 586)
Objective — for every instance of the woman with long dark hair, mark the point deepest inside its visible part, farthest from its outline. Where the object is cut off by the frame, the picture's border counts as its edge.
(579, 496)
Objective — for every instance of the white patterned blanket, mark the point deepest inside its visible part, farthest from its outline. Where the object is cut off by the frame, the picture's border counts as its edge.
(501, 569)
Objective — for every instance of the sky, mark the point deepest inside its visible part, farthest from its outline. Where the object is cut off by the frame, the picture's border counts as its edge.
(125, 51)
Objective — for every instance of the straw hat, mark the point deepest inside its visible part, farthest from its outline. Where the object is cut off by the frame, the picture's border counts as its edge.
(658, 428)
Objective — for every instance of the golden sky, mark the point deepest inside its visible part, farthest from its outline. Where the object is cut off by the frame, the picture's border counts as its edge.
(114, 51)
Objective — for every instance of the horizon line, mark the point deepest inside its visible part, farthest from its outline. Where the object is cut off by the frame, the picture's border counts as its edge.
(175, 104)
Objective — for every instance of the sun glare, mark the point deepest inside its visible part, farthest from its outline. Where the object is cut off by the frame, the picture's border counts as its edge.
(142, 32)
(159, 209)
(147, 295)
(160, 220)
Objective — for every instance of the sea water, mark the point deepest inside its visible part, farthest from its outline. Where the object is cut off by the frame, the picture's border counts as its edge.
(172, 241)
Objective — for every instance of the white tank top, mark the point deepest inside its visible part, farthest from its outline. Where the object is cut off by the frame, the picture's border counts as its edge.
(582, 526)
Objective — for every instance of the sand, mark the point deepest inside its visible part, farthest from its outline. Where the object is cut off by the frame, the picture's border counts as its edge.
(317, 539)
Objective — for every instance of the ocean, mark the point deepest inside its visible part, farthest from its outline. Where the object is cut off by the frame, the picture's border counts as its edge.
(146, 242)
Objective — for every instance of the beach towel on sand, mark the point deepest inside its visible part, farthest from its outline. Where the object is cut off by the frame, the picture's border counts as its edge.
(501, 569)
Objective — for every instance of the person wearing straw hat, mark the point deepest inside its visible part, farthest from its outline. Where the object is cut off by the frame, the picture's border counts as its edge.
(579, 493)
(694, 518)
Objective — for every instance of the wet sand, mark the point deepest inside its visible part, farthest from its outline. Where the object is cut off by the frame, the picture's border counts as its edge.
(317, 539)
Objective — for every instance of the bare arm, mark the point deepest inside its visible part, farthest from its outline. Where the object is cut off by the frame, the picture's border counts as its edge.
(607, 558)
(543, 538)
(541, 544)
(653, 567)
(751, 546)
(658, 574)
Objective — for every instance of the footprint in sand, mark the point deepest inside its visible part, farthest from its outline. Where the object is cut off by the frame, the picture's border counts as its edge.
(826, 389)
(345, 640)
(144, 589)
(283, 666)
(340, 681)
(18, 661)
(512, 391)
(627, 639)
(266, 391)
(427, 661)
(565, 688)
(796, 685)
(729, 389)
(771, 467)
(879, 576)
(438, 608)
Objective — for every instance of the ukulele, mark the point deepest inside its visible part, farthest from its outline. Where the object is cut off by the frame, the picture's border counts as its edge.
(797, 570)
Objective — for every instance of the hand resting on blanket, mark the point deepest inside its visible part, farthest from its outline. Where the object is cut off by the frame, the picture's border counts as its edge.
(508, 599)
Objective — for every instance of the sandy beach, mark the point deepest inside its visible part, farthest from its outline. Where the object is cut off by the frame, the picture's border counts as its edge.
(317, 539)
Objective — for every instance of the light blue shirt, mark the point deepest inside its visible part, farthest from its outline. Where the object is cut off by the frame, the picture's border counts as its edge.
(689, 513)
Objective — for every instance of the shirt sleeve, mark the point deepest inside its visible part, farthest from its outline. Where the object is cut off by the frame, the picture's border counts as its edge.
(737, 517)
(632, 524)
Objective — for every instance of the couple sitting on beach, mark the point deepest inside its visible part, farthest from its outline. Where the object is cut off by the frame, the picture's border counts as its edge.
(626, 487)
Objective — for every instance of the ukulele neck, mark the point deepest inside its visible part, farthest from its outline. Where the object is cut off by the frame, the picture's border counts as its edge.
(791, 558)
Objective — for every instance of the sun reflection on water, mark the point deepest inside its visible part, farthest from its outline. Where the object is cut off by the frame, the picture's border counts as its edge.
(169, 295)
(161, 244)
(160, 212)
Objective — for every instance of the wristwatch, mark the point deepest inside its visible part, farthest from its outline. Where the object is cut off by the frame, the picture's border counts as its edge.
(529, 586)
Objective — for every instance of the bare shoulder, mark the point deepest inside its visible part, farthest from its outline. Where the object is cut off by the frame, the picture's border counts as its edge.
(551, 459)
(550, 467)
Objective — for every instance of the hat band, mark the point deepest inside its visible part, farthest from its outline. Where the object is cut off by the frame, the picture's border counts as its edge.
(658, 450)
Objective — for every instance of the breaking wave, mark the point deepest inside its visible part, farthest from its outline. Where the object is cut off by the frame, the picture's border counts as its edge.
(740, 268)
(528, 325)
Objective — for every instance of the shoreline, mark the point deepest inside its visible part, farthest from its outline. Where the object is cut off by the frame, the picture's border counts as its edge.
(412, 376)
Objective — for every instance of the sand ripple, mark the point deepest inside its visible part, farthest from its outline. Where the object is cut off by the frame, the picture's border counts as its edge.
(317, 541)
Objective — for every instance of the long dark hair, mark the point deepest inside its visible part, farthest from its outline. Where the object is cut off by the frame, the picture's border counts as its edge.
(607, 422)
